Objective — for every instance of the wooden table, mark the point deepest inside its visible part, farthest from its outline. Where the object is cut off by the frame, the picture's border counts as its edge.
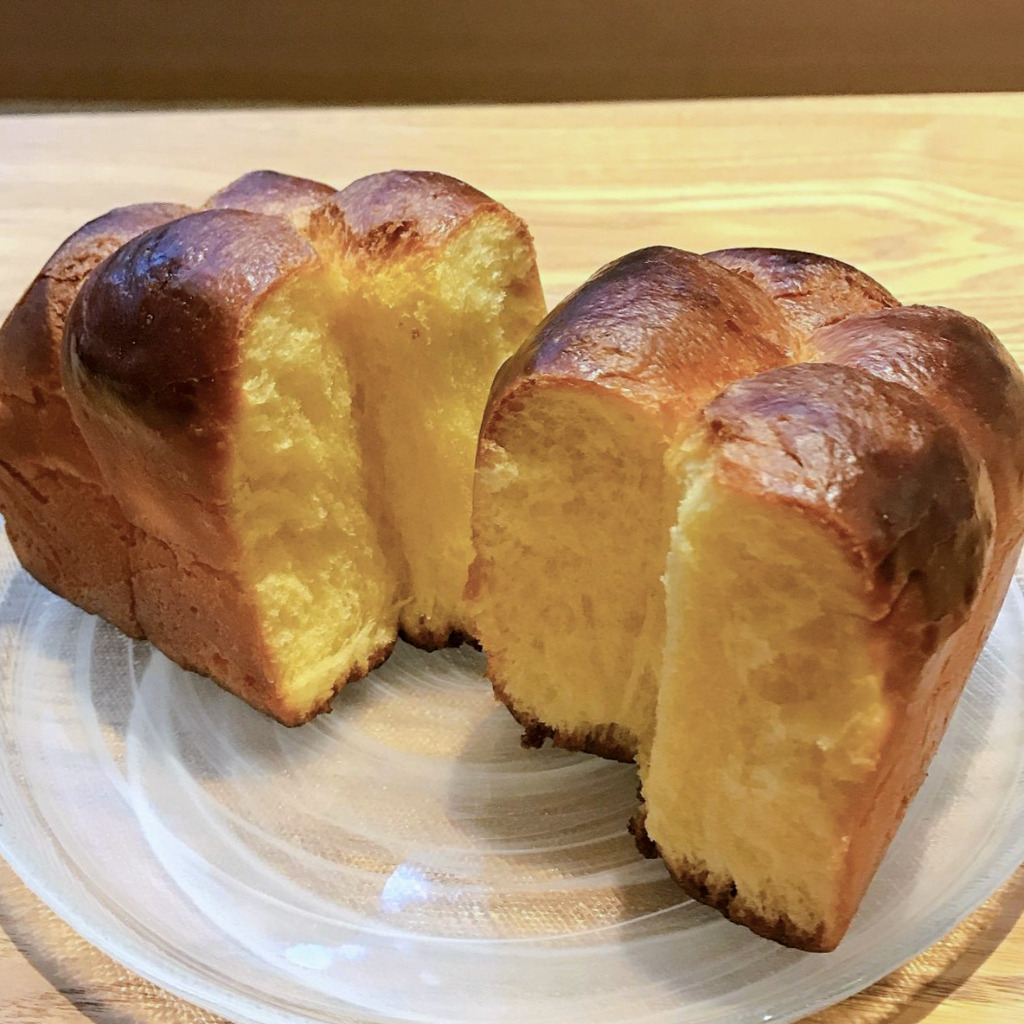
(925, 193)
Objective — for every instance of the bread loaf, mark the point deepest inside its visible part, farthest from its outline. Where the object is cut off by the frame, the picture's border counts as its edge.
(268, 392)
(777, 514)
(441, 286)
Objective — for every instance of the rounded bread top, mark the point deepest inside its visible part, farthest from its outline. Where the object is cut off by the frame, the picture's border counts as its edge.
(959, 367)
(273, 194)
(954, 362)
(667, 328)
(151, 361)
(671, 328)
(398, 213)
(31, 335)
(811, 290)
(815, 389)
(871, 461)
(157, 324)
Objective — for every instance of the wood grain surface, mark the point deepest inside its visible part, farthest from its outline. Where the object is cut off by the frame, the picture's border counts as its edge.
(924, 193)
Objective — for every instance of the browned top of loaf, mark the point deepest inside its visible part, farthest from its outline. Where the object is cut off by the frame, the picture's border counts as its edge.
(658, 325)
(274, 194)
(667, 328)
(958, 365)
(31, 335)
(400, 212)
(152, 352)
(871, 461)
(953, 361)
(157, 325)
(811, 290)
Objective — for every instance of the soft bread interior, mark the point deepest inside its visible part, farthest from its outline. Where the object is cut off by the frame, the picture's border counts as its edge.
(426, 334)
(572, 523)
(310, 549)
(771, 714)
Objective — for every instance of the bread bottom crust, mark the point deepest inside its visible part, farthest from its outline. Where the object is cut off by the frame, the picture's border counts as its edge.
(437, 638)
(610, 741)
(720, 894)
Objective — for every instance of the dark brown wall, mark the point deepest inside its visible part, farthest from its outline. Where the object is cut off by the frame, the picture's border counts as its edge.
(390, 51)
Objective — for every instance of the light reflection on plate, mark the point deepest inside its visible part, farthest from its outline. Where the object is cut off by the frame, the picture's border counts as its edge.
(404, 859)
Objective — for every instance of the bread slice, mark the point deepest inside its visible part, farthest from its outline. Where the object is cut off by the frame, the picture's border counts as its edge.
(573, 505)
(794, 566)
(210, 385)
(830, 544)
(62, 521)
(441, 287)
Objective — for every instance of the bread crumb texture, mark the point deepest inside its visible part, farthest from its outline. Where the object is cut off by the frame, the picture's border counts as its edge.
(572, 522)
(309, 543)
(280, 394)
(771, 713)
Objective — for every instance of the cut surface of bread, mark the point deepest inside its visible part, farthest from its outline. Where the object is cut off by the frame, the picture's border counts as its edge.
(771, 714)
(226, 431)
(573, 514)
(804, 618)
(441, 287)
(571, 488)
(310, 548)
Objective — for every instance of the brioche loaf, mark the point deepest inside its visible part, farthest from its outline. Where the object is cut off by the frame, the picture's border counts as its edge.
(258, 389)
(742, 518)
(776, 514)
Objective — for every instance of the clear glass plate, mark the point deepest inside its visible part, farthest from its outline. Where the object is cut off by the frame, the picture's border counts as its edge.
(404, 859)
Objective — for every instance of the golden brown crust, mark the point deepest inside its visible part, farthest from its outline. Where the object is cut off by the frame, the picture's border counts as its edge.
(435, 638)
(720, 895)
(151, 363)
(64, 525)
(811, 290)
(665, 328)
(71, 537)
(206, 621)
(273, 194)
(397, 213)
(959, 367)
(151, 373)
(610, 740)
(201, 617)
(30, 349)
(956, 364)
(874, 464)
